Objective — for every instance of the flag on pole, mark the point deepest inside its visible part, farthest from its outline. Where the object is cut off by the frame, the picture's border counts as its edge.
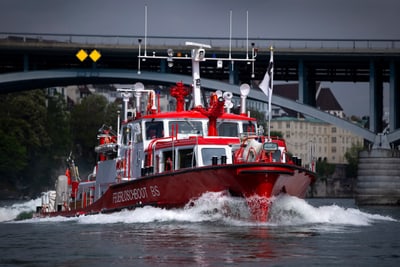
(267, 85)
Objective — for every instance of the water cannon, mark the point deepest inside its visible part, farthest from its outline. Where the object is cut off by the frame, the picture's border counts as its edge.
(227, 96)
(170, 58)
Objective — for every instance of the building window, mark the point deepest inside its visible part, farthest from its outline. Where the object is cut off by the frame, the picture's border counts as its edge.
(333, 129)
(333, 139)
(333, 149)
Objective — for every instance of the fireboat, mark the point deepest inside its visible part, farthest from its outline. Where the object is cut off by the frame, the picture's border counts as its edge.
(169, 159)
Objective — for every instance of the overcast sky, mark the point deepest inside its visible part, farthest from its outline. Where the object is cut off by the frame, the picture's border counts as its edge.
(269, 19)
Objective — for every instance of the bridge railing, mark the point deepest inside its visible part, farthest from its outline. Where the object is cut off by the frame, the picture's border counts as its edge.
(235, 43)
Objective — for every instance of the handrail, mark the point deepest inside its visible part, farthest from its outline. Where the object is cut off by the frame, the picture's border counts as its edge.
(238, 42)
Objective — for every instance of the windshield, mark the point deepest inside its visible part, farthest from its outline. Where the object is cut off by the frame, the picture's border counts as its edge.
(186, 127)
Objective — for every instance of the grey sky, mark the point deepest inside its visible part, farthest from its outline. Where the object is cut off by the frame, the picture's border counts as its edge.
(269, 19)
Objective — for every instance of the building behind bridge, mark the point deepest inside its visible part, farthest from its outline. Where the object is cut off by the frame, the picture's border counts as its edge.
(308, 138)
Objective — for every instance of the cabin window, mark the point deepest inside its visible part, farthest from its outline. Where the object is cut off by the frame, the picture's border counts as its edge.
(276, 156)
(228, 129)
(249, 127)
(167, 160)
(137, 129)
(208, 153)
(126, 135)
(154, 129)
(185, 127)
(186, 158)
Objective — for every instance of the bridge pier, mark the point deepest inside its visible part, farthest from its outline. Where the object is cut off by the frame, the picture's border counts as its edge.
(233, 73)
(376, 98)
(378, 178)
(307, 85)
(394, 96)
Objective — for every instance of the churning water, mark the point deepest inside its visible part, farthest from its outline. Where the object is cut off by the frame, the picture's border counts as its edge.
(214, 231)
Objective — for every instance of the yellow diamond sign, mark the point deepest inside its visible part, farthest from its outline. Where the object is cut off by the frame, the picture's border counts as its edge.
(82, 55)
(95, 55)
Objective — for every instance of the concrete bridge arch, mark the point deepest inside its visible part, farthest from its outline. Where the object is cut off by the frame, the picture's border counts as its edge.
(29, 80)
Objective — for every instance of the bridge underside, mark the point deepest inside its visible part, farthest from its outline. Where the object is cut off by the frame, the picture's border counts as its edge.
(44, 79)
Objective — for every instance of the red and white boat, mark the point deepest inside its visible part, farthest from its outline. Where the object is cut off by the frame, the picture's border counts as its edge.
(169, 159)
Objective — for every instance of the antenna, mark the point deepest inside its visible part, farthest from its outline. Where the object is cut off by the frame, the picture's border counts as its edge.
(247, 34)
(230, 33)
(199, 55)
(145, 30)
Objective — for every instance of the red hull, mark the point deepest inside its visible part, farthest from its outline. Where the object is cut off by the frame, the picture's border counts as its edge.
(178, 188)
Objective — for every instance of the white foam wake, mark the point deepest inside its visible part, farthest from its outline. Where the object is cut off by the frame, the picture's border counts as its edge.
(285, 210)
(10, 212)
(288, 210)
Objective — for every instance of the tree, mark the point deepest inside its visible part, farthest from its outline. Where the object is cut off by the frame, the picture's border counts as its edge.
(260, 117)
(351, 156)
(324, 169)
(58, 126)
(86, 120)
(13, 158)
(26, 142)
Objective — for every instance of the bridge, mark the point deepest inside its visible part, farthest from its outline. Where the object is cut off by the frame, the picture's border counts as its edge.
(30, 61)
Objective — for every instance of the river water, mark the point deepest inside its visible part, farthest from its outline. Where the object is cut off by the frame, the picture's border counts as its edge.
(311, 232)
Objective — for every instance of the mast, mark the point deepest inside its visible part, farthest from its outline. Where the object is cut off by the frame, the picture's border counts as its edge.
(198, 54)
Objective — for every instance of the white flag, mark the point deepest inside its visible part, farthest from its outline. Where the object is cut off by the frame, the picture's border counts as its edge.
(266, 86)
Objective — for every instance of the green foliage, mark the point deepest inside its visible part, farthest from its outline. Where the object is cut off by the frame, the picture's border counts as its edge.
(58, 126)
(277, 134)
(86, 120)
(29, 140)
(351, 156)
(22, 122)
(36, 133)
(324, 169)
(24, 117)
(260, 117)
(13, 158)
